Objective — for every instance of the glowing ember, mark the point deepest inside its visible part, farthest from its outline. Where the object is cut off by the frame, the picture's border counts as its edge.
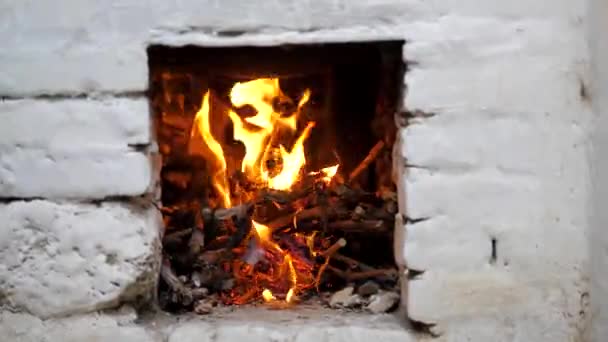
(289, 296)
(268, 296)
(327, 173)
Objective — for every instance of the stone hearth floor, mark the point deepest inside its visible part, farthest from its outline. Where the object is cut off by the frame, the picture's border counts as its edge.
(245, 324)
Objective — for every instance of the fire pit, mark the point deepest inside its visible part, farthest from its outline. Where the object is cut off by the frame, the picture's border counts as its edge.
(276, 179)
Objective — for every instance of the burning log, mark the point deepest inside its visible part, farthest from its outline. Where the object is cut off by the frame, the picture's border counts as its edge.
(371, 156)
(240, 211)
(306, 214)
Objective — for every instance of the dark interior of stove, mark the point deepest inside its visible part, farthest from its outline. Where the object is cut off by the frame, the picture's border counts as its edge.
(238, 233)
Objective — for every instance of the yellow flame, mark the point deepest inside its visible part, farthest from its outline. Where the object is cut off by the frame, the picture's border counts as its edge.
(310, 243)
(219, 180)
(293, 162)
(263, 232)
(268, 296)
(254, 140)
(293, 276)
(256, 132)
(290, 295)
(264, 235)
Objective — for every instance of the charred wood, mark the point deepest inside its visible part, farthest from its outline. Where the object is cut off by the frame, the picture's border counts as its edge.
(371, 156)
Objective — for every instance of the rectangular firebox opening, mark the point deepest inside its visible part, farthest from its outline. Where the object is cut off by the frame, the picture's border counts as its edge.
(276, 176)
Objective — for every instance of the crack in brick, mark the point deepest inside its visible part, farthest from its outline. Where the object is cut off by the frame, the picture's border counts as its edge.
(79, 95)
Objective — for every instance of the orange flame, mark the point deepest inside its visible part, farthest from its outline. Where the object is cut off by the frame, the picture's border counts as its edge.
(201, 120)
(268, 296)
(287, 264)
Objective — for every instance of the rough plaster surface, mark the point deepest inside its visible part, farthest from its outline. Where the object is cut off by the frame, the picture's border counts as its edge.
(598, 13)
(112, 35)
(119, 327)
(252, 324)
(58, 259)
(74, 148)
(501, 160)
(503, 157)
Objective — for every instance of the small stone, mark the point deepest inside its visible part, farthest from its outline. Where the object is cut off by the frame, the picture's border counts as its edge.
(391, 207)
(203, 307)
(228, 284)
(345, 298)
(368, 288)
(196, 279)
(358, 213)
(383, 302)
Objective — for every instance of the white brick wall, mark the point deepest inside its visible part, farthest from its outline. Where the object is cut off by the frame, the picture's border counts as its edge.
(504, 157)
(598, 12)
(74, 148)
(60, 259)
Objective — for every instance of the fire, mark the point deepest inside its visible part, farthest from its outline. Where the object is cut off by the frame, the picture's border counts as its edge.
(219, 180)
(268, 296)
(275, 271)
(293, 162)
(257, 132)
(327, 173)
(264, 236)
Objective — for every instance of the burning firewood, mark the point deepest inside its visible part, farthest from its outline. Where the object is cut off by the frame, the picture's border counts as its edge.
(328, 253)
(371, 156)
(183, 294)
(258, 226)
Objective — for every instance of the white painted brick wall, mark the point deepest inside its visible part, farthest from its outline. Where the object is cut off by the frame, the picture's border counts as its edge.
(598, 40)
(91, 46)
(60, 259)
(74, 148)
(504, 156)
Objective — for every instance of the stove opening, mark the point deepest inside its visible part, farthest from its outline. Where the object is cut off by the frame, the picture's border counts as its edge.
(276, 178)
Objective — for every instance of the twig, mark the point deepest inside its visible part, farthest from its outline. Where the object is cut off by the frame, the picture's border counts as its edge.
(176, 236)
(366, 226)
(373, 154)
(171, 279)
(303, 215)
(328, 253)
(352, 263)
(374, 273)
(238, 211)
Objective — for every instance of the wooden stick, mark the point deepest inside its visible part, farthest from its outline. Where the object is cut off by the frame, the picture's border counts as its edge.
(176, 236)
(238, 211)
(373, 154)
(362, 266)
(332, 211)
(352, 262)
(169, 276)
(328, 253)
(375, 273)
(365, 226)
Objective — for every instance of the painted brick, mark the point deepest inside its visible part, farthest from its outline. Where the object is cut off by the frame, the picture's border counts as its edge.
(60, 259)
